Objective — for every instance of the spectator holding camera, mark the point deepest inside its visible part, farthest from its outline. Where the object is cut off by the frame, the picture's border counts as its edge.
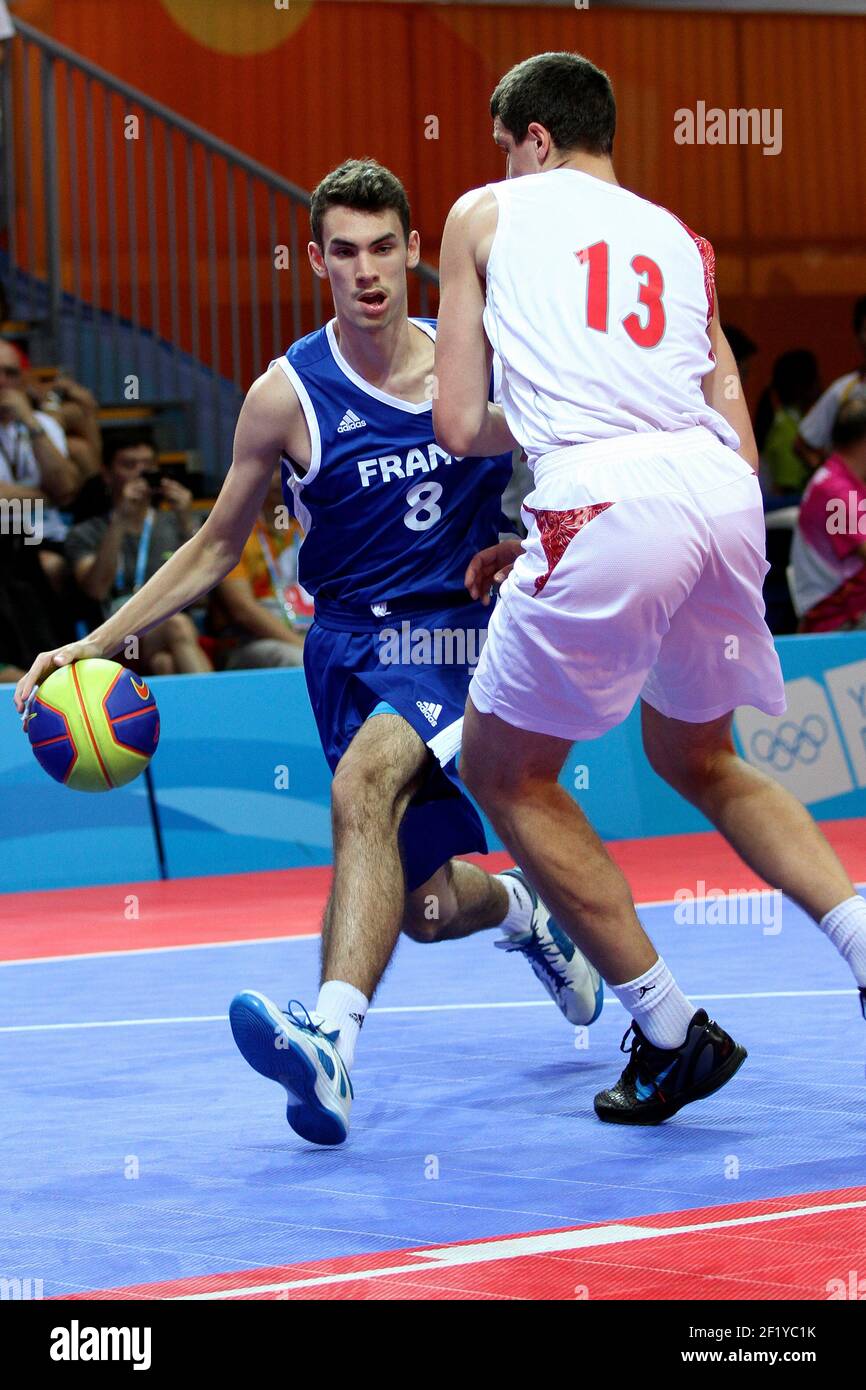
(31, 462)
(76, 411)
(111, 556)
(35, 479)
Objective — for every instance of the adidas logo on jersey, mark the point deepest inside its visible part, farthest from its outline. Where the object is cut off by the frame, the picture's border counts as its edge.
(351, 421)
(430, 711)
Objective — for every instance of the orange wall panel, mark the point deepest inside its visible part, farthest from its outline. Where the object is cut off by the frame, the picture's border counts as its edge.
(302, 89)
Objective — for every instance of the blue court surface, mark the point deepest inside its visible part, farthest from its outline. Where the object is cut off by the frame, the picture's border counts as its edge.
(140, 1150)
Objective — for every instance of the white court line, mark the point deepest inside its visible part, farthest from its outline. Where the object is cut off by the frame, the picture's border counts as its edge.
(416, 1009)
(160, 950)
(306, 936)
(516, 1247)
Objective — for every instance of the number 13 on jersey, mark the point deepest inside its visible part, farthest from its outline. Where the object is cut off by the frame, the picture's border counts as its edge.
(650, 288)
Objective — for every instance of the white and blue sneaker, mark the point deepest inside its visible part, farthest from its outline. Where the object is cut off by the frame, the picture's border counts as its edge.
(573, 984)
(289, 1047)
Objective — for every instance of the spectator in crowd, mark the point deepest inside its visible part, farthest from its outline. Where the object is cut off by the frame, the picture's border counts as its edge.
(112, 555)
(814, 440)
(829, 547)
(250, 615)
(34, 476)
(742, 347)
(29, 440)
(45, 441)
(793, 391)
(76, 411)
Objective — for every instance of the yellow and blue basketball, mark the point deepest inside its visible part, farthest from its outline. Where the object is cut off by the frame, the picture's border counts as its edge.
(93, 725)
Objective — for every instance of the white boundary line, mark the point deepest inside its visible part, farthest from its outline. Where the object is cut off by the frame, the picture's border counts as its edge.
(415, 1009)
(160, 950)
(306, 936)
(517, 1247)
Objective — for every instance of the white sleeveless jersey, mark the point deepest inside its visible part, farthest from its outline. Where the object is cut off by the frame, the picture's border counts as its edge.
(598, 306)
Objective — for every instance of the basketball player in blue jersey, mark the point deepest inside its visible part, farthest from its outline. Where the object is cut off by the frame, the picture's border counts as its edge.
(393, 524)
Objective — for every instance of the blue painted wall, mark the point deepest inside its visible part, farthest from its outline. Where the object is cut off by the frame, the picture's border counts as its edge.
(241, 783)
(51, 837)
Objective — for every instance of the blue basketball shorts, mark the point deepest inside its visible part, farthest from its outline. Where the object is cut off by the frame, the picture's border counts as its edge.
(417, 666)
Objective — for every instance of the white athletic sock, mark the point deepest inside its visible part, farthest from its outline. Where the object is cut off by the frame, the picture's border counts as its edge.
(341, 1006)
(845, 926)
(518, 918)
(658, 1005)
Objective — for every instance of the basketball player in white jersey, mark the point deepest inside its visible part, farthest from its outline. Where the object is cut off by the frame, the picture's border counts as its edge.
(641, 574)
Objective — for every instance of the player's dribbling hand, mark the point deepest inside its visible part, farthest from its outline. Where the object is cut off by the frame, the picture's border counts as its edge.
(46, 662)
(491, 566)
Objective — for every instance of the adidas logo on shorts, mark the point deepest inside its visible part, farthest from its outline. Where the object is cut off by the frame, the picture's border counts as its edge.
(351, 421)
(430, 711)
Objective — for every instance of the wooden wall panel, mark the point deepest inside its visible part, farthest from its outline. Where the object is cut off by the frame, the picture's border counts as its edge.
(302, 89)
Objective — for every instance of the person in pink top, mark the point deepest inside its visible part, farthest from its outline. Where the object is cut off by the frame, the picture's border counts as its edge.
(829, 548)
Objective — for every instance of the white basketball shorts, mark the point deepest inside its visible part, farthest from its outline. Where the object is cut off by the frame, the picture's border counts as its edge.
(641, 576)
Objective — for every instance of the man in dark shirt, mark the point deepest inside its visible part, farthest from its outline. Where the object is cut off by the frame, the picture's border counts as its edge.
(111, 556)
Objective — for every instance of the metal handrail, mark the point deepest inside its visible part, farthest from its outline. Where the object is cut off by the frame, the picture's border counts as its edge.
(206, 333)
(157, 108)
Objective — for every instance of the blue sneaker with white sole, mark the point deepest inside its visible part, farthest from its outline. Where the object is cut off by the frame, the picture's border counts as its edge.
(290, 1048)
(573, 984)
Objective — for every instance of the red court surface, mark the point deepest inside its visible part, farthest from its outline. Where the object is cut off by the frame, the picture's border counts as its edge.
(788, 1248)
(289, 902)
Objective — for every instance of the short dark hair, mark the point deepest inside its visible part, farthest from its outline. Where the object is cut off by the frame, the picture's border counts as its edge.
(565, 93)
(849, 427)
(859, 313)
(363, 184)
(115, 441)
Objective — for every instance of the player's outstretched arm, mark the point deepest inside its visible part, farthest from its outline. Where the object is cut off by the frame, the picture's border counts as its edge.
(464, 420)
(723, 390)
(204, 560)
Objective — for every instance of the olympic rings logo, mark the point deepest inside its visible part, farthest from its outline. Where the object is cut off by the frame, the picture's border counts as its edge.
(790, 743)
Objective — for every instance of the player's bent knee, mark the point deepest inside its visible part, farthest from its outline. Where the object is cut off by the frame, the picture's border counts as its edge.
(421, 930)
(431, 908)
(496, 784)
(483, 775)
(690, 768)
(363, 792)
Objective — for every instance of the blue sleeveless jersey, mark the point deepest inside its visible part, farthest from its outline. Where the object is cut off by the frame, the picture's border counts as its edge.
(387, 513)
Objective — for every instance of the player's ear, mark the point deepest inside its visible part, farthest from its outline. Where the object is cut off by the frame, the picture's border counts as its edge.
(317, 260)
(542, 143)
(413, 250)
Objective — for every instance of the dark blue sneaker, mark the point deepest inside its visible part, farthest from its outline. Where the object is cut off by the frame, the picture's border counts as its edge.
(573, 984)
(657, 1083)
(291, 1049)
